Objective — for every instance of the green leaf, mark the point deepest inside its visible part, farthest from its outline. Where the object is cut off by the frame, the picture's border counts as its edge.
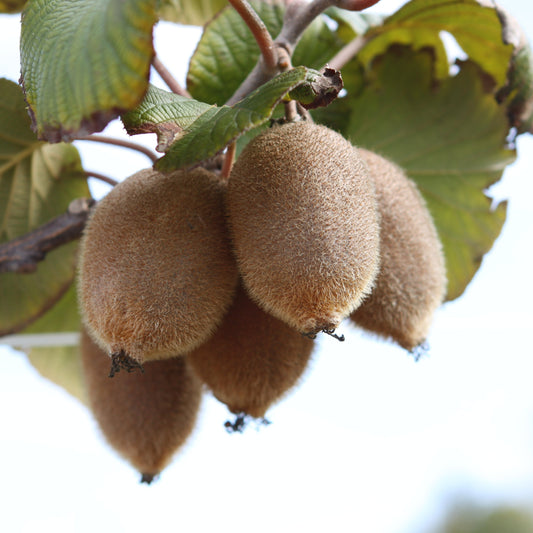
(353, 23)
(227, 51)
(12, 6)
(217, 127)
(164, 113)
(37, 182)
(64, 317)
(450, 137)
(60, 364)
(476, 28)
(84, 62)
(194, 12)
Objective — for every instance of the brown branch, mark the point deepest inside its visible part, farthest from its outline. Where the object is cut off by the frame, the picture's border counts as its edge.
(347, 52)
(260, 33)
(23, 253)
(298, 16)
(167, 77)
(356, 5)
(122, 143)
(101, 177)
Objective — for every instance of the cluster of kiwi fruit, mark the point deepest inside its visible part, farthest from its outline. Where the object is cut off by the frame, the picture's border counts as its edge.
(194, 281)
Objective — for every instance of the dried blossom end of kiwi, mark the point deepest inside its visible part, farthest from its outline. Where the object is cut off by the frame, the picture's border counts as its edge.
(122, 361)
(148, 478)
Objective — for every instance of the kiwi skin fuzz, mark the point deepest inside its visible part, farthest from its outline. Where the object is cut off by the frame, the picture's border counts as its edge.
(252, 360)
(145, 417)
(156, 272)
(412, 281)
(303, 218)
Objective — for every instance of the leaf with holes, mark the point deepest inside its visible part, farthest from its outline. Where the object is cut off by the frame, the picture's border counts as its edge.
(84, 62)
(473, 23)
(37, 182)
(450, 138)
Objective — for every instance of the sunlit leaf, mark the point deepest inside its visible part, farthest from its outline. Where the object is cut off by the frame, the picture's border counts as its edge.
(83, 62)
(194, 12)
(474, 24)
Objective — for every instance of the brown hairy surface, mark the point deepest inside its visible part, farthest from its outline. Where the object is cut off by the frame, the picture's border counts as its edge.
(252, 359)
(411, 283)
(144, 417)
(156, 269)
(304, 222)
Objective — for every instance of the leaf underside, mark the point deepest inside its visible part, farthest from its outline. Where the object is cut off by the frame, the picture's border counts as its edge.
(37, 182)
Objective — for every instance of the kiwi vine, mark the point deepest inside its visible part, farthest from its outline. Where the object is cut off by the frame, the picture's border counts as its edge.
(300, 229)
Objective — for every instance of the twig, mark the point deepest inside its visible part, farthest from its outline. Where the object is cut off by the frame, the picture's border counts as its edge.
(167, 77)
(228, 160)
(356, 5)
(298, 16)
(291, 110)
(260, 33)
(119, 142)
(23, 253)
(101, 177)
(347, 52)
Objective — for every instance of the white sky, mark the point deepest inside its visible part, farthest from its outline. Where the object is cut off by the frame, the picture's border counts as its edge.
(370, 442)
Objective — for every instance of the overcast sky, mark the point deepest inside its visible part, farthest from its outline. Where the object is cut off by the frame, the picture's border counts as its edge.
(370, 442)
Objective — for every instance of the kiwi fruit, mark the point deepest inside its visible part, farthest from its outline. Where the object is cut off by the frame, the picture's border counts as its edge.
(411, 283)
(156, 272)
(304, 222)
(146, 417)
(252, 360)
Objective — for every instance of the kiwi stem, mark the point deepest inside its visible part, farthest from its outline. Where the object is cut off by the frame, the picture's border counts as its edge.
(101, 177)
(228, 160)
(119, 142)
(167, 77)
(291, 111)
(260, 33)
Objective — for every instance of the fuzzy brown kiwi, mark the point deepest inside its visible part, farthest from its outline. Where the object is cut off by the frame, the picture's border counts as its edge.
(304, 222)
(145, 417)
(252, 360)
(411, 283)
(156, 270)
